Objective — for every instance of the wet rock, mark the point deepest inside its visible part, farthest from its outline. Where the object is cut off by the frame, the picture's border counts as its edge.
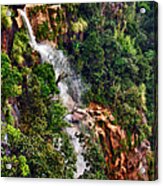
(19, 19)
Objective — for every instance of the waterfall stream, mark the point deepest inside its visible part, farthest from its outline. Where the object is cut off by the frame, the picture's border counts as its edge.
(69, 85)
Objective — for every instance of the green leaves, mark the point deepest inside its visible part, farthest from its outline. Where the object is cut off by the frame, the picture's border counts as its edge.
(113, 49)
(56, 113)
(11, 78)
(15, 166)
(44, 32)
(6, 20)
(32, 121)
(94, 156)
(46, 78)
(13, 132)
(23, 165)
(41, 120)
(19, 47)
(79, 26)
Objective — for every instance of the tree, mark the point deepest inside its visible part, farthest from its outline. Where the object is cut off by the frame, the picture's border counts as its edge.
(6, 19)
(11, 79)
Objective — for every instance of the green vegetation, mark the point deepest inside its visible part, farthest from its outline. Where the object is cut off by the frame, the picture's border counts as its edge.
(6, 20)
(114, 60)
(19, 47)
(79, 26)
(31, 142)
(11, 79)
(94, 157)
(113, 47)
(117, 59)
(44, 32)
(30, 133)
(46, 80)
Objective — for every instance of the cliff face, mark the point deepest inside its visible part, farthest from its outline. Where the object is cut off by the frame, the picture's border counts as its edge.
(123, 162)
(7, 37)
(126, 157)
(45, 21)
(51, 24)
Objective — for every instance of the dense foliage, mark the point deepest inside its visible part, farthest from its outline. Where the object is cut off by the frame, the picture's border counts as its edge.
(32, 124)
(30, 142)
(117, 59)
(112, 46)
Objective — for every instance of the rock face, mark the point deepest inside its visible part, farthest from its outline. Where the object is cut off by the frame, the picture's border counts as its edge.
(7, 39)
(45, 16)
(40, 16)
(123, 162)
(19, 20)
(4, 41)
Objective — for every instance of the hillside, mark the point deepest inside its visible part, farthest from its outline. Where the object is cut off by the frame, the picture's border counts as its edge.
(79, 91)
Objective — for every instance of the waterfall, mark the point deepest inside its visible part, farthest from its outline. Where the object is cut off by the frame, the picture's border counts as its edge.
(68, 83)
(29, 28)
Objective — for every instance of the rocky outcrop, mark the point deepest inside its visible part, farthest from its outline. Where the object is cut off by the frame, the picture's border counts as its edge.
(39, 14)
(123, 162)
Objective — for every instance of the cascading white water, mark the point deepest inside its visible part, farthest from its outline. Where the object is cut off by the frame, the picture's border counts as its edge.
(68, 83)
(30, 32)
